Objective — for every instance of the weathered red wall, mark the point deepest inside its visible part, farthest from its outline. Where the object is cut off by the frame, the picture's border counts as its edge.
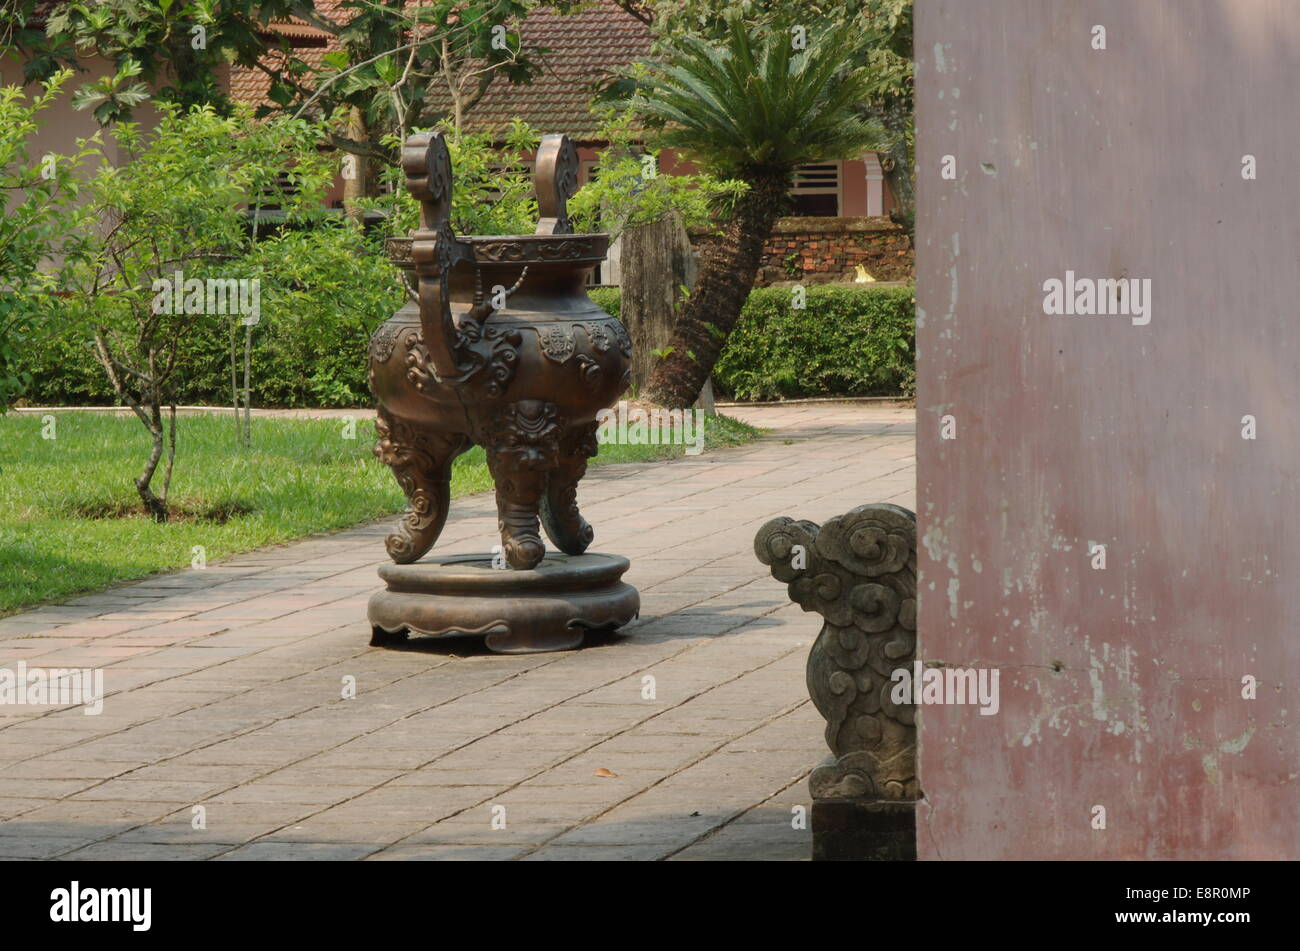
(828, 250)
(1120, 687)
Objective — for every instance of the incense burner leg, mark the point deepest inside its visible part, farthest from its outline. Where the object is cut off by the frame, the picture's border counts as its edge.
(522, 448)
(565, 526)
(421, 459)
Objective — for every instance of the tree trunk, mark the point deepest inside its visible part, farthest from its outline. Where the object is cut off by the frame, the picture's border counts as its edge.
(898, 167)
(355, 186)
(726, 276)
(153, 505)
(658, 264)
(148, 412)
(171, 456)
(248, 390)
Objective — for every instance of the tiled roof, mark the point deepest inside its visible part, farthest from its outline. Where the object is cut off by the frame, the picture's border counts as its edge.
(311, 43)
(250, 84)
(583, 51)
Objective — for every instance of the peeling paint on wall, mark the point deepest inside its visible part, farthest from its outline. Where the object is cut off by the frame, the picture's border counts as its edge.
(1121, 677)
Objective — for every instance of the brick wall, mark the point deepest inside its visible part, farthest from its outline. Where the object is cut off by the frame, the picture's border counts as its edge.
(828, 250)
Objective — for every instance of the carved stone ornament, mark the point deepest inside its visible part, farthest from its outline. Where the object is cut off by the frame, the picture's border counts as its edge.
(858, 571)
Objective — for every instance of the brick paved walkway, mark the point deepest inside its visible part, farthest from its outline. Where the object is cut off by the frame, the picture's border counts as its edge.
(225, 689)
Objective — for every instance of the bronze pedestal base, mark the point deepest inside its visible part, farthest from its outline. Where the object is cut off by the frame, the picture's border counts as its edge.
(547, 608)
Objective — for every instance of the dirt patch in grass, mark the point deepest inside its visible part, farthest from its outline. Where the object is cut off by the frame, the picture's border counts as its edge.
(183, 510)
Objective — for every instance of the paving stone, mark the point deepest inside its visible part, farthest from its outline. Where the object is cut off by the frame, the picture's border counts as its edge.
(478, 829)
(45, 767)
(223, 823)
(316, 829)
(773, 842)
(39, 847)
(260, 792)
(411, 802)
(669, 830)
(72, 814)
(43, 788)
(133, 790)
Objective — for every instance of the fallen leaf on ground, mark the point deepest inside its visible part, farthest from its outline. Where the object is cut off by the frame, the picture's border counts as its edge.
(603, 773)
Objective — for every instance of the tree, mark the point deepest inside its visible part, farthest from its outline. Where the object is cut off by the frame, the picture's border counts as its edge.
(404, 65)
(887, 38)
(628, 190)
(883, 36)
(752, 107)
(494, 189)
(399, 64)
(170, 247)
(178, 46)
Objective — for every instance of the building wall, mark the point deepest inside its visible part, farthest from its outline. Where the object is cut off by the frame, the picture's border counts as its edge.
(863, 192)
(829, 250)
(62, 125)
(1121, 682)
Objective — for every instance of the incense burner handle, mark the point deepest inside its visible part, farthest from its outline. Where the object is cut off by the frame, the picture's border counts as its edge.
(435, 250)
(555, 181)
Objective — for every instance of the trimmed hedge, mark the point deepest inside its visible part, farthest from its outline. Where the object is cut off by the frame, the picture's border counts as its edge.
(288, 369)
(849, 340)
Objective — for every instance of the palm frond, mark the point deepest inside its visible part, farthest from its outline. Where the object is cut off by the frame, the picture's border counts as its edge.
(751, 103)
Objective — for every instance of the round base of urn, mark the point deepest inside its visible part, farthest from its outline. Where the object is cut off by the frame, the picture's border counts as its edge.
(547, 608)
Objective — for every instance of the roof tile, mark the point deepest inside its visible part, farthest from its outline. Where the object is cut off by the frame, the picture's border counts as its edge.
(583, 50)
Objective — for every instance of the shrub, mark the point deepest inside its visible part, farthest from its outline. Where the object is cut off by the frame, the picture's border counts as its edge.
(310, 350)
(607, 298)
(849, 340)
(42, 228)
(324, 291)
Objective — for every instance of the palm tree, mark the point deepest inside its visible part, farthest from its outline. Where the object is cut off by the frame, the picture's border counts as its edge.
(754, 108)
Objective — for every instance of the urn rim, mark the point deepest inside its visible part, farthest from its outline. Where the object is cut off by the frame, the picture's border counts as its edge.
(516, 248)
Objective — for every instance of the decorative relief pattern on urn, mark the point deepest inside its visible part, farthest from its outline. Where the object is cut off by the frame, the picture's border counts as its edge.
(557, 341)
(384, 341)
(598, 335)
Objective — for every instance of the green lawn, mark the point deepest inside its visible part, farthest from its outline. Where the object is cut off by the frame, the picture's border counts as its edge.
(70, 519)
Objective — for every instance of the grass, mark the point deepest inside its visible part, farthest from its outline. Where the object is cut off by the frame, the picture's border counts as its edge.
(70, 520)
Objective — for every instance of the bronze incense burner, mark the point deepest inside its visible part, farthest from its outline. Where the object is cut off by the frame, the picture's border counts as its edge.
(498, 346)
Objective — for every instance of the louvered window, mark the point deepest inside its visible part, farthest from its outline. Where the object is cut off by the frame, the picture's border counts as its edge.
(816, 191)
